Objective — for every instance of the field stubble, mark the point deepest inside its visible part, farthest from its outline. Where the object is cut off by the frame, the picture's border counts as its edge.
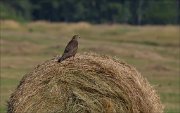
(153, 50)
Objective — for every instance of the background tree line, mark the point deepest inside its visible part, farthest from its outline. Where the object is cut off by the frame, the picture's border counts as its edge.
(136, 12)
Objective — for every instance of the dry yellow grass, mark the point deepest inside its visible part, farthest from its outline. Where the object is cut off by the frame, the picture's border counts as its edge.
(153, 50)
(88, 84)
(10, 25)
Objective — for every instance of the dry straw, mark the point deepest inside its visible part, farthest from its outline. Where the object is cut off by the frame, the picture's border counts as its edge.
(87, 84)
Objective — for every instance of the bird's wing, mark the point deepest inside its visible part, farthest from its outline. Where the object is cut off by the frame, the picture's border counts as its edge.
(73, 44)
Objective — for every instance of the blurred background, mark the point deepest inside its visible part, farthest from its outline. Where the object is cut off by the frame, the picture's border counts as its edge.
(143, 33)
(136, 12)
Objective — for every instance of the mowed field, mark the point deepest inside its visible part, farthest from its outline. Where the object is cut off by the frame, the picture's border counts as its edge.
(153, 50)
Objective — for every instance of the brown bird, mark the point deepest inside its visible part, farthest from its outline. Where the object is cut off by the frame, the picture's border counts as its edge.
(71, 48)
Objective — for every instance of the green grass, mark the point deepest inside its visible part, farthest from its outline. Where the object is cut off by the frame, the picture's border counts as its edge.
(153, 50)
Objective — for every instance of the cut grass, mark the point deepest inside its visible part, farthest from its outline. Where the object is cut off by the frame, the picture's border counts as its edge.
(153, 50)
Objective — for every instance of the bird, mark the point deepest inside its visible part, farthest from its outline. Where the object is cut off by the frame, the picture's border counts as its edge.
(71, 49)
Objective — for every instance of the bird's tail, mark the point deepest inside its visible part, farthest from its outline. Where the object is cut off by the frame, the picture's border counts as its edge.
(60, 59)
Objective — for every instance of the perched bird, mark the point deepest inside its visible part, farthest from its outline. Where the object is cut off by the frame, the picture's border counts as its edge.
(71, 48)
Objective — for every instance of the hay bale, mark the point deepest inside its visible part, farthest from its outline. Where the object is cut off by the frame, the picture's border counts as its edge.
(88, 84)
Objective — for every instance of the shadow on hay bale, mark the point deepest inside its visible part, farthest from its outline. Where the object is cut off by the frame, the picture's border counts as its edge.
(88, 84)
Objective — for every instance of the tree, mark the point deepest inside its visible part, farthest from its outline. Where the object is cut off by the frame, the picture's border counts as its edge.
(161, 12)
(17, 9)
(137, 12)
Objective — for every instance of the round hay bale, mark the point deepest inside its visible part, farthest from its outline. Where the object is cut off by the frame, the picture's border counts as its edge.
(88, 84)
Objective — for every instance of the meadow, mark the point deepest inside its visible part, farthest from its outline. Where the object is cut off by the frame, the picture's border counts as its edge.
(153, 50)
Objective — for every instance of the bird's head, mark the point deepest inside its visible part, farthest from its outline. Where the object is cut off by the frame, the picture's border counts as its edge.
(75, 37)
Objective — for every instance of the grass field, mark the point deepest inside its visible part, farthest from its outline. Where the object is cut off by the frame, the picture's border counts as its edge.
(153, 50)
